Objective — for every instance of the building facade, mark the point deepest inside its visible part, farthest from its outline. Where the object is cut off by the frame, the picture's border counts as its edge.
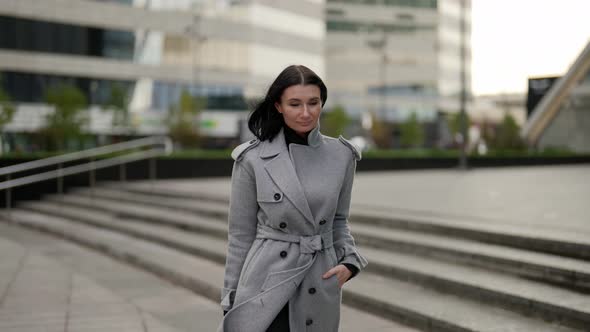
(397, 57)
(561, 119)
(224, 51)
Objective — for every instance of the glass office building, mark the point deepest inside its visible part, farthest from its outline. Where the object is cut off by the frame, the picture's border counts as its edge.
(226, 52)
(397, 57)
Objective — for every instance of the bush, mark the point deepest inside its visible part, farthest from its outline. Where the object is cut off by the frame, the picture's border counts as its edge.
(334, 123)
(63, 129)
(412, 133)
(181, 121)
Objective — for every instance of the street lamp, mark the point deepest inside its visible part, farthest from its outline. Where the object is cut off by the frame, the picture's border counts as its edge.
(463, 96)
(194, 30)
(381, 46)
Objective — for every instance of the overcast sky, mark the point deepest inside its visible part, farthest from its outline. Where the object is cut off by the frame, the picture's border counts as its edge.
(516, 39)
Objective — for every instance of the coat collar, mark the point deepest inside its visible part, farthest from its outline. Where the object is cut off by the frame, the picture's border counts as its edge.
(281, 169)
(270, 149)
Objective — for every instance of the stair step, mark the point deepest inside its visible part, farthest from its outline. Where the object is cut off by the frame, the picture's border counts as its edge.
(194, 243)
(173, 265)
(79, 206)
(568, 244)
(432, 311)
(566, 271)
(168, 263)
(208, 208)
(523, 295)
(423, 308)
(526, 296)
(549, 240)
(174, 305)
(163, 189)
(556, 269)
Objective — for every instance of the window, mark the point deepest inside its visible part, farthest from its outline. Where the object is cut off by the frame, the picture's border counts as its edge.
(31, 88)
(40, 36)
(333, 25)
(217, 97)
(398, 3)
(335, 12)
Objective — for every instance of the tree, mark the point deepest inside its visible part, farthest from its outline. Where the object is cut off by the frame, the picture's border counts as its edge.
(508, 135)
(6, 108)
(456, 126)
(6, 112)
(118, 103)
(380, 132)
(335, 122)
(412, 133)
(182, 119)
(64, 126)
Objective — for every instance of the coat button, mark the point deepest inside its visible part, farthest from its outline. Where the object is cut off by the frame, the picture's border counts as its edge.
(323, 221)
(311, 290)
(309, 322)
(277, 196)
(283, 225)
(283, 254)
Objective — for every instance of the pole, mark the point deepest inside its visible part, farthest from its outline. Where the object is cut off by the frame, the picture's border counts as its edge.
(380, 47)
(383, 78)
(463, 99)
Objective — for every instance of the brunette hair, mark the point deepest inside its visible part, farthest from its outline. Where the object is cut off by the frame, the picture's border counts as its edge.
(265, 122)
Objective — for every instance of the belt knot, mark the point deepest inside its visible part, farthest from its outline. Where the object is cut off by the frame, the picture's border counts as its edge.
(307, 244)
(310, 244)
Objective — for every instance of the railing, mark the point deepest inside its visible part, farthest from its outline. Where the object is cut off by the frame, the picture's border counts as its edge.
(160, 145)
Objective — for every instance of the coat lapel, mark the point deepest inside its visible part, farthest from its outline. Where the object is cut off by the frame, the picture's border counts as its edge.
(281, 170)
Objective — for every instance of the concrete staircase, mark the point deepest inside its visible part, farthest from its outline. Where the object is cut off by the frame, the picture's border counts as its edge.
(429, 276)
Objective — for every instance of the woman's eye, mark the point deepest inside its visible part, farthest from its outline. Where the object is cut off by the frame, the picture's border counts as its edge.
(294, 105)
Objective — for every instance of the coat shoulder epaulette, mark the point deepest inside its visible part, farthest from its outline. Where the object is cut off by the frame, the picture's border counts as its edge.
(356, 151)
(239, 150)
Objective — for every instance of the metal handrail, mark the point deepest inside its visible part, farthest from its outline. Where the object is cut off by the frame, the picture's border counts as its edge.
(165, 148)
(138, 143)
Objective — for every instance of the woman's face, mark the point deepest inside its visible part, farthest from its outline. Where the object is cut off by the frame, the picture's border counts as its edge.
(301, 106)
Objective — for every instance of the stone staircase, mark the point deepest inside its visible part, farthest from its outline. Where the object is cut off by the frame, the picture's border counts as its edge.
(429, 276)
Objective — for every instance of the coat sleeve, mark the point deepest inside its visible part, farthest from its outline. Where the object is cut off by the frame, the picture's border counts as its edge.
(346, 250)
(241, 228)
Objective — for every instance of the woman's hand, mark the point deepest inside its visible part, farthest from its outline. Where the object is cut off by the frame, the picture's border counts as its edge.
(342, 274)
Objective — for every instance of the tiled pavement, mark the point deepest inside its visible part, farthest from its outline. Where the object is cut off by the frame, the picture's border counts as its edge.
(547, 200)
(52, 285)
(48, 284)
(41, 293)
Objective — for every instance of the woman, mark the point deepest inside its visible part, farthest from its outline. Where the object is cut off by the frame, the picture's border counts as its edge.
(290, 249)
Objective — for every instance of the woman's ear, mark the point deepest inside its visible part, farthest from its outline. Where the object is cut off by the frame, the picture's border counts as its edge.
(278, 107)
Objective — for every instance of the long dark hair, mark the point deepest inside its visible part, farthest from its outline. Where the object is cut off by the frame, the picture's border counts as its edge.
(265, 122)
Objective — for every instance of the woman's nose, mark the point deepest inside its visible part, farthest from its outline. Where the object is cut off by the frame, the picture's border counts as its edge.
(306, 111)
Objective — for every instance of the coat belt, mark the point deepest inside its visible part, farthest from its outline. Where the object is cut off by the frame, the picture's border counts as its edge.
(307, 244)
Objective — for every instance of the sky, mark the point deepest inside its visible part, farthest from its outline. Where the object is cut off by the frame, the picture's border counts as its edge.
(513, 40)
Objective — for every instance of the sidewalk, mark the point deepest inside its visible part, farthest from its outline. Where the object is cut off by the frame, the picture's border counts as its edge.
(550, 198)
(51, 284)
(543, 199)
(39, 294)
(45, 287)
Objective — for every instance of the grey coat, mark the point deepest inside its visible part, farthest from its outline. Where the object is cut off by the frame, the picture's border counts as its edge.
(288, 225)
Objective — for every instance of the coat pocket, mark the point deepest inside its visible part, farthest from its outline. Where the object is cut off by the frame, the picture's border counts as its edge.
(332, 254)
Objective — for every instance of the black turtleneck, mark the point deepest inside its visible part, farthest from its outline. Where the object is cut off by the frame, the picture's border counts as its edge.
(292, 137)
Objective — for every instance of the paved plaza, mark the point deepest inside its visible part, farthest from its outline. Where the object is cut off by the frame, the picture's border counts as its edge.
(544, 198)
(51, 284)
